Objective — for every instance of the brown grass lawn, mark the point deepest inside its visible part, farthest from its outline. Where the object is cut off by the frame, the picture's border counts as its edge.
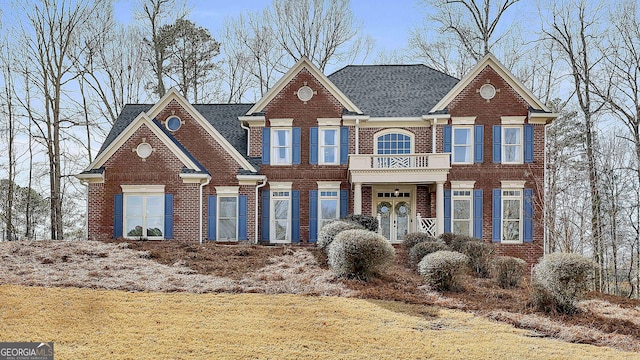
(101, 324)
(165, 300)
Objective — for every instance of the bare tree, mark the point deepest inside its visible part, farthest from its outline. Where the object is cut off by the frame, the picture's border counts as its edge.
(574, 28)
(9, 127)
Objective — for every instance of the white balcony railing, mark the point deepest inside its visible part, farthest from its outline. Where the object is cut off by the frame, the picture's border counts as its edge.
(398, 161)
(427, 225)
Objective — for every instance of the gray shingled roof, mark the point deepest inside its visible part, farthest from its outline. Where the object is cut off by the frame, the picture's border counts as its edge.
(393, 90)
(224, 117)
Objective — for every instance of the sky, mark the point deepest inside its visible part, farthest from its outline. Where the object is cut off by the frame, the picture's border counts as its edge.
(388, 23)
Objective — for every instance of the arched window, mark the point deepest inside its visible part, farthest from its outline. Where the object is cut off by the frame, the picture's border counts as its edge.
(394, 142)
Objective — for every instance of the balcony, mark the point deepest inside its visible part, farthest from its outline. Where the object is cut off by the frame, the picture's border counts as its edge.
(399, 168)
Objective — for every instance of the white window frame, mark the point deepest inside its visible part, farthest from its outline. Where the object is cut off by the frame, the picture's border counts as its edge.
(462, 195)
(453, 144)
(279, 191)
(328, 190)
(322, 145)
(143, 191)
(394, 131)
(512, 195)
(520, 145)
(226, 192)
(275, 147)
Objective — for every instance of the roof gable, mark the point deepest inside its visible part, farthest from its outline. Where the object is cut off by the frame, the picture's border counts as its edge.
(491, 61)
(304, 63)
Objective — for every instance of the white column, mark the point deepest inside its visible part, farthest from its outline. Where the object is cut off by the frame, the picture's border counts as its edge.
(357, 199)
(434, 130)
(440, 206)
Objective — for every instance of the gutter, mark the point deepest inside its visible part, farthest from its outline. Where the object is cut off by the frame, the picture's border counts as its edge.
(248, 137)
(202, 185)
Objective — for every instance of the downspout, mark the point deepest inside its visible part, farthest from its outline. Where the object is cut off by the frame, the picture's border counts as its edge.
(545, 235)
(86, 223)
(202, 185)
(257, 218)
(248, 138)
(357, 136)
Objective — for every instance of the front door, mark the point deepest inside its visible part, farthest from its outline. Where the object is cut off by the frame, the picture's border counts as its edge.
(395, 215)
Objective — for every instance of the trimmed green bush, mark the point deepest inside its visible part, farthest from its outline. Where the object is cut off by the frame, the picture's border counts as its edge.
(442, 270)
(368, 222)
(507, 271)
(411, 239)
(422, 249)
(330, 230)
(560, 280)
(359, 253)
(479, 253)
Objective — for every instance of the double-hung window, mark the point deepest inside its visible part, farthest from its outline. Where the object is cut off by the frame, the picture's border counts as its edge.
(227, 218)
(512, 215)
(144, 211)
(281, 146)
(512, 150)
(329, 146)
(329, 207)
(280, 216)
(462, 212)
(462, 145)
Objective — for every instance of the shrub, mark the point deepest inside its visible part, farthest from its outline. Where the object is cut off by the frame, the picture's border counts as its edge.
(422, 249)
(454, 241)
(368, 222)
(330, 230)
(479, 253)
(561, 280)
(442, 270)
(411, 239)
(358, 253)
(507, 271)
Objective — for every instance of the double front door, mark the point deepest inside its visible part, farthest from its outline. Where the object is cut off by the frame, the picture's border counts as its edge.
(394, 209)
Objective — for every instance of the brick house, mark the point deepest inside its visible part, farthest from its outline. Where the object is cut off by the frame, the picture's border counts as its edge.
(419, 149)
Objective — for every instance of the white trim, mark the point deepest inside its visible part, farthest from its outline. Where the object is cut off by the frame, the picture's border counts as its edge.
(468, 184)
(503, 145)
(219, 197)
(91, 178)
(512, 120)
(542, 118)
(173, 94)
(463, 120)
(469, 198)
(253, 121)
(303, 63)
(491, 61)
(329, 121)
(227, 190)
(280, 186)
(393, 131)
(272, 146)
(512, 184)
(329, 185)
(272, 212)
(142, 119)
(194, 178)
(281, 122)
(520, 198)
(470, 145)
(142, 189)
(250, 180)
(322, 145)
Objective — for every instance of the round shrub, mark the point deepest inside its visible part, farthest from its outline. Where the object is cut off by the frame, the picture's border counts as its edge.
(368, 222)
(454, 241)
(359, 253)
(479, 253)
(507, 271)
(425, 248)
(560, 280)
(411, 239)
(443, 269)
(330, 230)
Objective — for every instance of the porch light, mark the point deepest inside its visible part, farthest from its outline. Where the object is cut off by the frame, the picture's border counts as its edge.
(396, 192)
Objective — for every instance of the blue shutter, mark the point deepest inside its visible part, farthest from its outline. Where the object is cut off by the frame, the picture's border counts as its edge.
(446, 145)
(477, 213)
(528, 143)
(295, 216)
(212, 207)
(497, 144)
(265, 215)
(266, 145)
(528, 215)
(313, 145)
(296, 146)
(447, 211)
(478, 144)
(313, 215)
(344, 203)
(496, 215)
(117, 216)
(242, 217)
(168, 216)
(344, 145)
